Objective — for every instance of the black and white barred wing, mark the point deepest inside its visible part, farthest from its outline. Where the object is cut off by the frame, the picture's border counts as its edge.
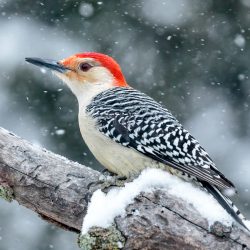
(144, 125)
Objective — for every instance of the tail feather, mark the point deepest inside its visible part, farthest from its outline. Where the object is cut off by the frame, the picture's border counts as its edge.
(228, 205)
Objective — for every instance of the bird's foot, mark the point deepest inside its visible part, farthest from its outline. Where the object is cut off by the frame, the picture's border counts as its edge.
(112, 180)
(220, 229)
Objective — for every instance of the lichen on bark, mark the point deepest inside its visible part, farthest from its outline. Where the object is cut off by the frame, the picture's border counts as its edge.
(6, 192)
(102, 238)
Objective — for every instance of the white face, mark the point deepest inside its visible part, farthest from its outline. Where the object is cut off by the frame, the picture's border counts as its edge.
(85, 75)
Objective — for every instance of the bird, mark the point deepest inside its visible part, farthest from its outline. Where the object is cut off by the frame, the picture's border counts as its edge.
(128, 131)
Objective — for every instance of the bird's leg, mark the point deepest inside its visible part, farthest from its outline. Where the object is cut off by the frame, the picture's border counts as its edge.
(106, 172)
(112, 180)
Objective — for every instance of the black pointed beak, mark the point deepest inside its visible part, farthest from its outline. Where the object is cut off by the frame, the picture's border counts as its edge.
(50, 64)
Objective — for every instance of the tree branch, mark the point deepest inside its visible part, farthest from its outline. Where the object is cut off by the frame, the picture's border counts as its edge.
(59, 190)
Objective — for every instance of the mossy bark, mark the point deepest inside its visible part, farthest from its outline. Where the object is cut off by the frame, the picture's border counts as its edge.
(6, 192)
(102, 238)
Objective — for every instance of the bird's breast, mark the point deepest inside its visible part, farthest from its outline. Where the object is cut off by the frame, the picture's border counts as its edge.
(113, 156)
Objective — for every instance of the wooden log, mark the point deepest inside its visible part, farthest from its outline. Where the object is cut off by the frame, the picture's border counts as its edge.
(59, 190)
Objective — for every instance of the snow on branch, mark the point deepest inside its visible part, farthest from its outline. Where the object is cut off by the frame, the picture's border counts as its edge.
(161, 218)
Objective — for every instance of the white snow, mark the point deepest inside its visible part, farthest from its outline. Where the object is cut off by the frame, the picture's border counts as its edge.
(239, 40)
(60, 131)
(86, 9)
(167, 12)
(247, 223)
(103, 208)
(43, 70)
(246, 3)
(241, 77)
(229, 192)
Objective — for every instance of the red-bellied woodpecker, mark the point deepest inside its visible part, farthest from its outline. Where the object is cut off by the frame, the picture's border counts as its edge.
(127, 131)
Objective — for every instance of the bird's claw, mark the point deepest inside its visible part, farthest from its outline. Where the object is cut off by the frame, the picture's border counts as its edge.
(111, 180)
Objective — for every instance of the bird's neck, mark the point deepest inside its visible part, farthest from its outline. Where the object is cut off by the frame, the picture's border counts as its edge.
(88, 91)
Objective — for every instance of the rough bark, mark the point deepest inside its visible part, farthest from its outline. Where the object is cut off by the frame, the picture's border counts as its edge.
(59, 190)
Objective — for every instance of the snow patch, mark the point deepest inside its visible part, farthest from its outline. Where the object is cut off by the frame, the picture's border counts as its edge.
(247, 223)
(103, 208)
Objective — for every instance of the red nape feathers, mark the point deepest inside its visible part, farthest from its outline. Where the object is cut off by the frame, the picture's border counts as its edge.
(109, 63)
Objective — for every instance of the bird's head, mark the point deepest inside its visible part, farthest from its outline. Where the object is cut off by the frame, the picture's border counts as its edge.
(85, 71)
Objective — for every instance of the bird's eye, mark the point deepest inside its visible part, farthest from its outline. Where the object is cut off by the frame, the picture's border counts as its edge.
(85, 67)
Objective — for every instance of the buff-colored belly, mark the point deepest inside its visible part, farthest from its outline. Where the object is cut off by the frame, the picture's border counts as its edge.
(113, 156)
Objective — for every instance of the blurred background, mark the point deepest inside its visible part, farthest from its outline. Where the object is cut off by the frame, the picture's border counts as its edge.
(193, 56)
